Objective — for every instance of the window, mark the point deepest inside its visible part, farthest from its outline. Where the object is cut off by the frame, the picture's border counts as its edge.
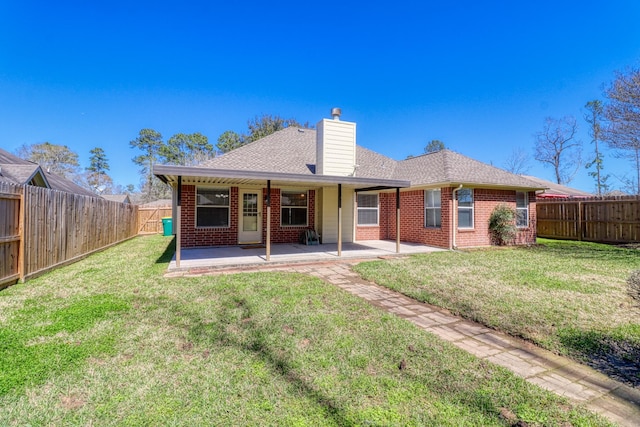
(522, 209)
(465, 208)
(367, 209)
(293, 208)
(432, 208)
(212, 207)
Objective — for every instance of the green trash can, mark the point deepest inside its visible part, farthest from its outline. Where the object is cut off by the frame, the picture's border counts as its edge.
(167, 226)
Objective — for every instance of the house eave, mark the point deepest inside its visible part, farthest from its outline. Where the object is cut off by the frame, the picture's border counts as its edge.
(467, 184)
(195, 175)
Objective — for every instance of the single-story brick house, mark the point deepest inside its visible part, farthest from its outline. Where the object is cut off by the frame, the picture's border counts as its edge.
(275, 188)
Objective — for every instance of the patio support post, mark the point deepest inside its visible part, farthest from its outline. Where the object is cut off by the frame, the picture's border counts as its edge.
(397, 220)
(268, 242)
(177, 221)
(339, 219)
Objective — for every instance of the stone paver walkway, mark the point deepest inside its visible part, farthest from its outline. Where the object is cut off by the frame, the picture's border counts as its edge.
(612, 399)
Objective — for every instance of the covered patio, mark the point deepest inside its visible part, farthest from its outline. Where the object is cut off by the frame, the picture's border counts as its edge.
(252, 255)
(258, 185)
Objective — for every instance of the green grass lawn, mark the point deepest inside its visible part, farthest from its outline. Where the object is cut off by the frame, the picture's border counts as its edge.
(569, 297)
(109, 341)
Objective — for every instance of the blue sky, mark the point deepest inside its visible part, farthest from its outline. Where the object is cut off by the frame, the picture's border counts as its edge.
(480, 77)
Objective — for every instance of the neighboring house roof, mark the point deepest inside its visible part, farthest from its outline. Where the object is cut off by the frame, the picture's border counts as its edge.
(293, 150)
(62, 184)
(19, 171)
(616, 193)
(122, 198)
(21, 174)
(8, 158)
(15, 170)
(554, 190)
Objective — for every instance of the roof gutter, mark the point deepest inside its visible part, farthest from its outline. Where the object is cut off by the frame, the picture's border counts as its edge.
(453, 216)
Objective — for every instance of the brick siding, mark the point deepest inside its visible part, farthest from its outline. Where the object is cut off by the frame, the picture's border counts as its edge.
(280, 234)
(412, 228)
(485, 202)
(193, 236)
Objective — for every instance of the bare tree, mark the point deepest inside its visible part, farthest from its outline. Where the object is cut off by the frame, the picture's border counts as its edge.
(594, 118)
(622, 115)
(54, 158)
(518, 162)
(557, 147)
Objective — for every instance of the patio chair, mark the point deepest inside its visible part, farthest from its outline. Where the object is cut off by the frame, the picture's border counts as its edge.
(309, 237)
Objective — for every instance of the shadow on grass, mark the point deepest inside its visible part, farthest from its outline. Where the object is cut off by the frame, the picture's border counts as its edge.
(167, 255)
(614, 357)
(236, 313)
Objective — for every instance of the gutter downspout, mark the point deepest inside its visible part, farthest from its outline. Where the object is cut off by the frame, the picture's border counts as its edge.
(453, 216)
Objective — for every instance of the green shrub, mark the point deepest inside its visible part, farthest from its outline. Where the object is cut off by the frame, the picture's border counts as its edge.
(502, 225)
(633, 288)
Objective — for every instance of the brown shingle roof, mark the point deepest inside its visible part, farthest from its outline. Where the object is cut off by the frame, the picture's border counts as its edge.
(446, 166)
(290, 150)
(293, 150)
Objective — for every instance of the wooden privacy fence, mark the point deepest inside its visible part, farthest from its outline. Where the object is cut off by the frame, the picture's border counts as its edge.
(10, 233)
(41, 228)
(150, 219)
(606, 220)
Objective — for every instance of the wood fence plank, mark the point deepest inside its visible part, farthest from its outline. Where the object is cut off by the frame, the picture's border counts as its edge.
(606, 220)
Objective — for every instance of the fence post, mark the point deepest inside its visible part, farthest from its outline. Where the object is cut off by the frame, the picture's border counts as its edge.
(580, 218)
(22, 234)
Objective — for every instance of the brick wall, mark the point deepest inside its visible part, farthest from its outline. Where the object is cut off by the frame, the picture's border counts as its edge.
(411, 223)
(281, 234)
(193, 236)
(484, 202)
(374, 232)
(412, 227)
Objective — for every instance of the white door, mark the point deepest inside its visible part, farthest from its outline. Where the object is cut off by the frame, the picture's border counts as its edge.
(250, 224)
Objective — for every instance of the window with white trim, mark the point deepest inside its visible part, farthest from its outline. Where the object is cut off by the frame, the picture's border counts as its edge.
(368, 209)
(432, 208)
(212, 207)
(293, 208)
(522, 209)
(465, 208)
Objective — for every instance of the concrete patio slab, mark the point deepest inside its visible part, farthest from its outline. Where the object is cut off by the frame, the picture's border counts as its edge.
(252, 255)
